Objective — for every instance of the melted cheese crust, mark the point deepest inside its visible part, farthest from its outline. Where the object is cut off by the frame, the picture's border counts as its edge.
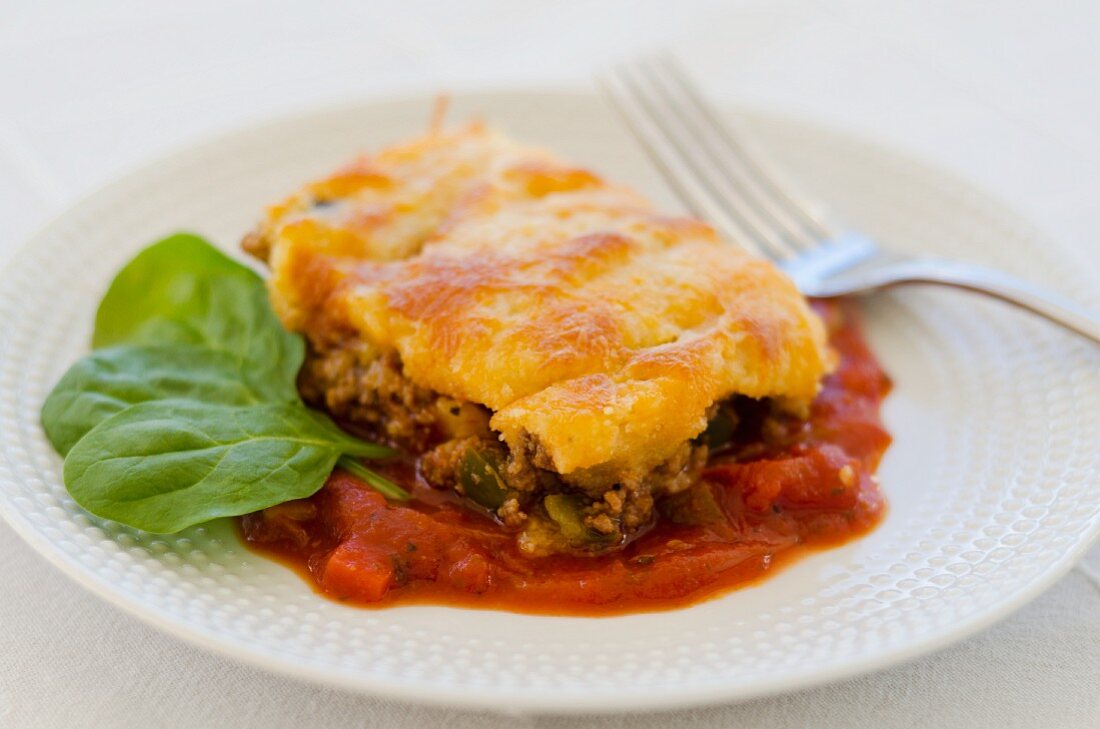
(591, 325)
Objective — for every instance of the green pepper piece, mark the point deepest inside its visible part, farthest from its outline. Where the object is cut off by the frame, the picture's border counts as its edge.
(565, 510)
(480, 478)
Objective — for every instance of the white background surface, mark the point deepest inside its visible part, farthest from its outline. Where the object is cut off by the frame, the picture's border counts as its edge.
(1002, 93)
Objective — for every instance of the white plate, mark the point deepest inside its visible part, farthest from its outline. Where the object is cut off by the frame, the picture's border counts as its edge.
(993, 480)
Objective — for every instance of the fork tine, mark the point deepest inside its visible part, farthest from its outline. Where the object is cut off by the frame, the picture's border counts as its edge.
(682, 137)
(746, 170)
(686, 168)
(672, 166)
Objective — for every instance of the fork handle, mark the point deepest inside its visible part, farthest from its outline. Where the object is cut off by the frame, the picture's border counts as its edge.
(1048, 304)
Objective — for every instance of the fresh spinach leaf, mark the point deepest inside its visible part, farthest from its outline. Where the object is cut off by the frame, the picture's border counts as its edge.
(182, 290)
(166, 465)
(188, 409)
(112, 379)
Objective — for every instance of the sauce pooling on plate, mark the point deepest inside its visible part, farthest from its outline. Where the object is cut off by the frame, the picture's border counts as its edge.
(776, 487)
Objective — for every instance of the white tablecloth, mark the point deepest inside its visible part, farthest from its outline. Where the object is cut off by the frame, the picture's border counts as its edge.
(1004, 93)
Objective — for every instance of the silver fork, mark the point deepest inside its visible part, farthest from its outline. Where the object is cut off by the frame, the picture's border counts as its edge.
(733, 188)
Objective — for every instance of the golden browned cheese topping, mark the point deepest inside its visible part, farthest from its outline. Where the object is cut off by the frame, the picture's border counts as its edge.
(589, 323)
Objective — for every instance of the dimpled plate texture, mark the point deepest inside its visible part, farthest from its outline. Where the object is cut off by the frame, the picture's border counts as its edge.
(993, 480)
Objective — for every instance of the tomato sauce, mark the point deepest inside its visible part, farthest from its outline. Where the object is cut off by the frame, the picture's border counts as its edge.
(802, 485)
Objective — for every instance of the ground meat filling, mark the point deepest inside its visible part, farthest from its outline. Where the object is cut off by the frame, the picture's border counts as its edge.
(369, 392)
(589, 511)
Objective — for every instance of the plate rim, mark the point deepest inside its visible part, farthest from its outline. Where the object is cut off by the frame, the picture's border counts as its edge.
(527, 699)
